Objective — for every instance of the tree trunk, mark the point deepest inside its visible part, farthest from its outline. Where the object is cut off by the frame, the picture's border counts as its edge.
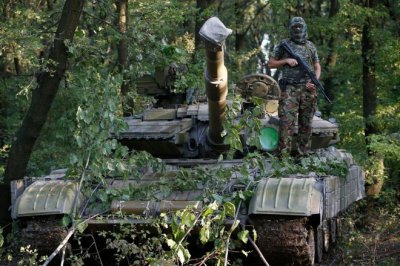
(370, 96)
(7, 8)
(331, 58)
(42, 99)
(122, 10)
(17, 66)
(3, 119)
(370, 102)
(50, 5)
(394, 12)
(123, 54)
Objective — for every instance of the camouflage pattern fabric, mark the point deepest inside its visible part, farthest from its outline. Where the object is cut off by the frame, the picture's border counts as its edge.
(306, 51)
(296, 103)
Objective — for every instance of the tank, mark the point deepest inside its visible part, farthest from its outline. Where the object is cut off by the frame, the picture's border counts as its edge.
(296, 216)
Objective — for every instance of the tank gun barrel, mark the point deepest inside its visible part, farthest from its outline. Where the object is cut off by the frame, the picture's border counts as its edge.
(214, 33)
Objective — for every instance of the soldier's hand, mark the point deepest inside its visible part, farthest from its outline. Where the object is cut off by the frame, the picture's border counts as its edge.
(311, 86)
(291, 62)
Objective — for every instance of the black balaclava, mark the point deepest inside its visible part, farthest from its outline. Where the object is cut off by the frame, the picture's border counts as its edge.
(298, 35)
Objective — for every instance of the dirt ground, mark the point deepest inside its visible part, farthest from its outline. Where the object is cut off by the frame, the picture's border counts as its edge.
(371, 235)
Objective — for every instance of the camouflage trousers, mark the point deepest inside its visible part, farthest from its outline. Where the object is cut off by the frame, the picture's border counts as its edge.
(297, 103)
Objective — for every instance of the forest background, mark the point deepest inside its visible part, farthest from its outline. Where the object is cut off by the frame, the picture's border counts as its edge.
(66, 78)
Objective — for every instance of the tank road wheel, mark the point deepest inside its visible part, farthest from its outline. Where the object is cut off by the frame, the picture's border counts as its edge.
(319, 243)
(338, 223)
(310, 259)
(332, 227)
(325, 235)
(285, 241)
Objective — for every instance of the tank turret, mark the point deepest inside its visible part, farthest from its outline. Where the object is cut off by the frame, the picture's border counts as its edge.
(177, 126)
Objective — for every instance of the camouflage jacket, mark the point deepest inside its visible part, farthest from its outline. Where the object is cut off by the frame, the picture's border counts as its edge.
(306, 51)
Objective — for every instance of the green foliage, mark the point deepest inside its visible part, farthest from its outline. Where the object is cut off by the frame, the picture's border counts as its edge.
(30, 257)
(375, 170)
(23, 37)
(25, 256)
(209, 223)
(383, 164)
(191, 80)
(242, 132)
(136, 243)
(320, 166)
(96, 117)
(140, 243)
(387, 146)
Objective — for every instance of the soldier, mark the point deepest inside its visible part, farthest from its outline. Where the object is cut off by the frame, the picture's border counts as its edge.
(299, 97)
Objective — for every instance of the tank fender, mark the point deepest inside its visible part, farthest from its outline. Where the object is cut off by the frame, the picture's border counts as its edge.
(297, 196)
(48, 198)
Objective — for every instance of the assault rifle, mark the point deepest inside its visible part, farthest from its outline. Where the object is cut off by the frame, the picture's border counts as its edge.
(306, 69)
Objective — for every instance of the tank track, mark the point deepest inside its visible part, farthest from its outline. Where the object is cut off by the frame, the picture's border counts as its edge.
(285, 241)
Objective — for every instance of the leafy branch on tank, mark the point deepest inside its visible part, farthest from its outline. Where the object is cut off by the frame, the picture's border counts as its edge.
(135, 243)
(237, 123)
(209, 221)
(311, 164)
(174, 229)
(210, 181)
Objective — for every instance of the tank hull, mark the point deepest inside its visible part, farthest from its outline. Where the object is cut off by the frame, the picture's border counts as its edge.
(295, 216)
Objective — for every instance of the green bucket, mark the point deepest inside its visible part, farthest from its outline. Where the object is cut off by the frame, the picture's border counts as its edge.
(268, 138)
